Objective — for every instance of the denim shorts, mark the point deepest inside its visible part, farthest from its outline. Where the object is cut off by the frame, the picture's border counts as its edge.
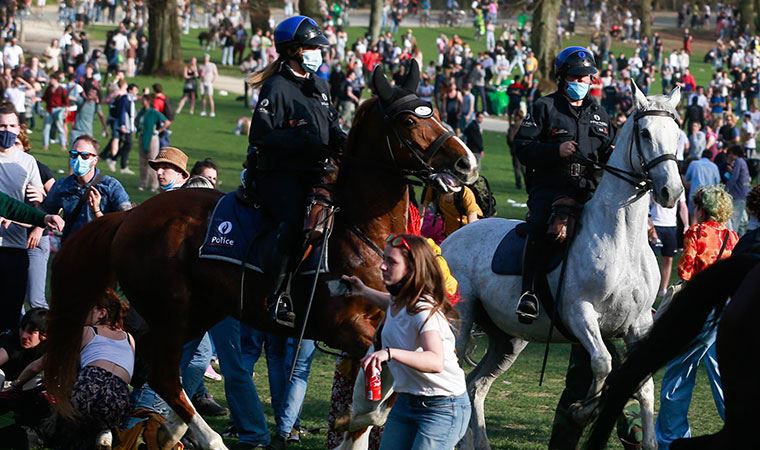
(419, 422)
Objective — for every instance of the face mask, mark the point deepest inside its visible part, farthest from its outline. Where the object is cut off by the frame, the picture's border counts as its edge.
(577, 91)
(7, 139)
(312, 59)
(169, 186)
(79, 166)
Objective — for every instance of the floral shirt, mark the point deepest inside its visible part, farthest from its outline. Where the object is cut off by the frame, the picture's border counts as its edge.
(701, 245)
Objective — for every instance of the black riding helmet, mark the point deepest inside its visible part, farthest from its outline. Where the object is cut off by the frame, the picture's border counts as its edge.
(576, 61)
(298, 31)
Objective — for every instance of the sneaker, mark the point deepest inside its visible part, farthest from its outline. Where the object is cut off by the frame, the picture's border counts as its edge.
(203, 113)
(192, 113)
(212, 115)
(277, 443)
(207, 406)
(111, 165)
(211, 374)
(140, 188)
(230, 432)
(127, 171)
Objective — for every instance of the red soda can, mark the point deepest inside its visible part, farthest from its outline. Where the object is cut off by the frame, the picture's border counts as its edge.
(372, 384)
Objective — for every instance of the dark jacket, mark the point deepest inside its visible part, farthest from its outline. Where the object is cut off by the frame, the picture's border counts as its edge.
(474, 136)
(294, 124)
(553, 121)
(748, 244)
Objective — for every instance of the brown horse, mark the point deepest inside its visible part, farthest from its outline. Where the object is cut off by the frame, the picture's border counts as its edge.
(151, 252)
(737, 278)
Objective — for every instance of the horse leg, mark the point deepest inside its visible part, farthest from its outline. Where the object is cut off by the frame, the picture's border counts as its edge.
(645, 393)
(584, 324)
(502, 352)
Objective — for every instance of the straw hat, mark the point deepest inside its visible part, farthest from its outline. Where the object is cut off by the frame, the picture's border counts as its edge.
(173, 156)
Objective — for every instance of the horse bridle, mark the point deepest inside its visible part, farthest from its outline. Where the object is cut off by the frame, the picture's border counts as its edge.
(423, 156)
(640, 180)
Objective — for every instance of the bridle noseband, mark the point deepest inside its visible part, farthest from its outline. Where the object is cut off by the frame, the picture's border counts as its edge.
(640, 180)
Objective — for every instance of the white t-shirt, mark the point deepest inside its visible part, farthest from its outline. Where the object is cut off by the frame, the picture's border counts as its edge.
(403, 331)
(664, 217)
(208, 73)
(17, 96)
(120, 42)
(749, 129)
(17, 170)
(12, 55)
(682, 141)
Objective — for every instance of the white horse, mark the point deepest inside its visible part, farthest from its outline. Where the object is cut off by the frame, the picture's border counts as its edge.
(611, 275)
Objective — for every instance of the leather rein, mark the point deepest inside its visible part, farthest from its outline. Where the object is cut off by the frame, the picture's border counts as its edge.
(639, 179)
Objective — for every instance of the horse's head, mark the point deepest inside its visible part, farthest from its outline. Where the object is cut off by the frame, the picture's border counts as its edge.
(654, 136)
(416, 140)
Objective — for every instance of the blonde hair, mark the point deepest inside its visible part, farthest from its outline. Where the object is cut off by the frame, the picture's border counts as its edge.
(716, 203)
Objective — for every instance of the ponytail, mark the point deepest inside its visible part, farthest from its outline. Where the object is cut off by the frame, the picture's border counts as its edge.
(256, 79)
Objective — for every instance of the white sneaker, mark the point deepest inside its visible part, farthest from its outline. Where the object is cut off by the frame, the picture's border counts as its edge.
(212, 115)
(127, 171)
(203, 113)
(111, 165)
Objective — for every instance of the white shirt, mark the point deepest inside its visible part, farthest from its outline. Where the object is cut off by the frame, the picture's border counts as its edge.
(403, 331)
(12, 55)
(17, 170)
(682, 141)
(664, 217)
(749, 129)
(120, 42)
(17, 96)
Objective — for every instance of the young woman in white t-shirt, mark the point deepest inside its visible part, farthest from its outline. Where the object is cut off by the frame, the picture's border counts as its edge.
(433, 409)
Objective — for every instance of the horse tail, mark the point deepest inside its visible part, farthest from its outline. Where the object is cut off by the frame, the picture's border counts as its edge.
(81, 275)
(670, 335)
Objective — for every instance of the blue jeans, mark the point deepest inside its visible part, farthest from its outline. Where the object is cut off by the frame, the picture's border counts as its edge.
(35, 285)
(56, 116)
(295, 389)
(426, 423)
(678, 386)
(196, 356)
(145, 397)
(253, 342)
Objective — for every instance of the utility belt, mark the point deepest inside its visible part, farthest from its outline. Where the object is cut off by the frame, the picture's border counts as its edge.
(268, 160)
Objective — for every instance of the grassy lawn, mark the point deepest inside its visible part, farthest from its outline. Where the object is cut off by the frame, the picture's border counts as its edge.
(519, 412)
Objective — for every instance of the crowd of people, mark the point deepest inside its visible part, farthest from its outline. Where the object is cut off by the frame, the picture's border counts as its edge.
(67, 86)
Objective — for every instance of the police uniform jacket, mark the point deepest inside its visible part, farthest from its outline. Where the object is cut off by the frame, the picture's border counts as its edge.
(551, 122)
(294, 125)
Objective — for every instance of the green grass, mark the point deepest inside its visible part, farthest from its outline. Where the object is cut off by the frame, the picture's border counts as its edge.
(519, 412)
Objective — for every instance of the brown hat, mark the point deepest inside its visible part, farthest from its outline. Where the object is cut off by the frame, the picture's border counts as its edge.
(173, 156)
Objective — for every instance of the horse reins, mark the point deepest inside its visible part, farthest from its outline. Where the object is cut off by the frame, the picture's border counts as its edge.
(638, 179)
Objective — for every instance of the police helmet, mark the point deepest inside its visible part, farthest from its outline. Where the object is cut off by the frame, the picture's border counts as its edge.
(298, 31)
(575, 60)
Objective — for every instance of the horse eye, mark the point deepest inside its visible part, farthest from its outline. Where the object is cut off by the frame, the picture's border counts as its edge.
(409, 122)
(646, 135)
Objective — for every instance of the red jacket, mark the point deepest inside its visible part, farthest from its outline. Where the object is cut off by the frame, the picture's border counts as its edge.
(55, 98)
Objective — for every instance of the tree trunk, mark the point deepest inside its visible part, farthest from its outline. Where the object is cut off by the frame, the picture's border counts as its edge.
(164, 49)
(375, 18)
(646, 18)
(544, 36)
(747, 8)
(259, 13)
(310, 8)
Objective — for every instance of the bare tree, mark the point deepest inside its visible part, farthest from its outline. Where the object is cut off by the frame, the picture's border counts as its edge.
(258, 11)
(310, 8)
(748, 19)
(544, 35)
(164, 48)
(646, 18)
(375, 18)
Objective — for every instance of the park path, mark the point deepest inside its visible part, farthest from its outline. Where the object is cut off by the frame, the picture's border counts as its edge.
(41, 26)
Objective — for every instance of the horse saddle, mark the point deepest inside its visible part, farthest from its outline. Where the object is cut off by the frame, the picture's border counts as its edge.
(244, 235)
(508, 258)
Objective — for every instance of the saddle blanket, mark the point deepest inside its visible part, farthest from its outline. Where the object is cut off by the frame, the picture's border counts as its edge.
(239, 234)
(508, 258)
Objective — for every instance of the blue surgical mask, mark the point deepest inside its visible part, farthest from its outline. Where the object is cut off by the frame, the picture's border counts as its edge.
(169, 186)
(312, 59)
(7, 138)
(79, 166)
(576, 90)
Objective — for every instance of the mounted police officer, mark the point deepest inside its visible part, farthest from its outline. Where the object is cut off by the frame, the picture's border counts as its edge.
(294, 135)
(557, 141)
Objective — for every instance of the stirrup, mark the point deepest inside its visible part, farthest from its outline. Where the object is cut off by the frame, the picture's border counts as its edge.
(282, 312)
(527, 317)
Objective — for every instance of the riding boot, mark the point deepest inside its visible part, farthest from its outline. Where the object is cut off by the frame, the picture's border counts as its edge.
(279, 302)
(533, 264)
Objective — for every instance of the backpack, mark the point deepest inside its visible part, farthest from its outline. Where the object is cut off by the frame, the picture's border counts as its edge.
(483, 197)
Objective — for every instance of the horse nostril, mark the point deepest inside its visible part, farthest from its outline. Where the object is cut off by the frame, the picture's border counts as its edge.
(463, 164)
(664, 193)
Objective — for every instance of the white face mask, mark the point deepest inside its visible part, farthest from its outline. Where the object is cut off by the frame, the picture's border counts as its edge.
(312, 59)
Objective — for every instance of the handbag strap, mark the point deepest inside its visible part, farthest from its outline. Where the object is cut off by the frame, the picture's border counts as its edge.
(80, 204)
(722, 246)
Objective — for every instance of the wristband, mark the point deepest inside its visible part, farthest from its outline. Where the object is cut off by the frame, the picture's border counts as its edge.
(388, 349)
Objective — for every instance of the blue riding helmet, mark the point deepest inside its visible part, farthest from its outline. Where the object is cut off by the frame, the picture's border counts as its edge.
(299, 31)
(575, 60)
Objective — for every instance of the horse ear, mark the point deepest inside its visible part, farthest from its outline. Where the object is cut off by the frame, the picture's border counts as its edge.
(413, 78)
(380, 85)
(639, 98)
(674, 98)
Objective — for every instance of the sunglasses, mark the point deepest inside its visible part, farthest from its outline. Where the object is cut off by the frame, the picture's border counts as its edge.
(394, 240)
(84, 155)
